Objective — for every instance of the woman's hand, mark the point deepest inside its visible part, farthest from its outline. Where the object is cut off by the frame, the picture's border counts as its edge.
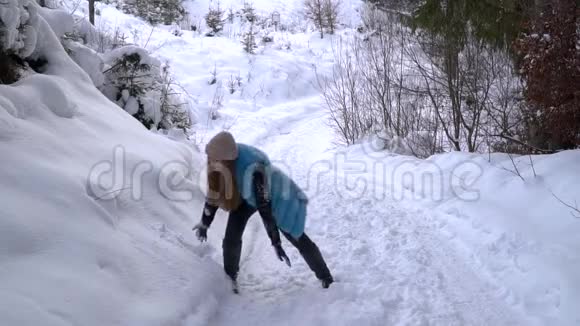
(200, 230)
(282, 255)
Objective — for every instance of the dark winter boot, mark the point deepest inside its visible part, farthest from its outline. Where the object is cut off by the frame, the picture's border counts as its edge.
(232, 251)
(326, 282)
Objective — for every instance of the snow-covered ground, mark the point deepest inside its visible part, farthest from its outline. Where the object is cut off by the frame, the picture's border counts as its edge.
(457, 239)
(69, 256)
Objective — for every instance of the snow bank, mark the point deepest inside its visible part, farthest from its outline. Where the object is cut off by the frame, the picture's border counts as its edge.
(88, 60)
(68, 253)
(515, 229)
(519, 231)
(60, 21)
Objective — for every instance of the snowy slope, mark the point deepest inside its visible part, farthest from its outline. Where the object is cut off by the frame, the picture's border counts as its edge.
(69, 256)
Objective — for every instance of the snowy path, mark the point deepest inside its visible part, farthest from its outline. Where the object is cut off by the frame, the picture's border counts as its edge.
(392, 265)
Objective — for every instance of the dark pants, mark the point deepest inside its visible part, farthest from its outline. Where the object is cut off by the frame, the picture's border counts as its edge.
(232, 245)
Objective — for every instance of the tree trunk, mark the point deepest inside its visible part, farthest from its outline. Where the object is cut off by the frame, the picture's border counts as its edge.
(92, 12)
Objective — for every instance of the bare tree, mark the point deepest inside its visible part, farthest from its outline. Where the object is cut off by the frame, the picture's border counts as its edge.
(314, 10)
(370, 91)
(344, 95)
(437, 63)
(425, 91)
(458, 79)
(478, 77)
(504, 117)
(372, 18)
(392, 87)
(378, 66)
(331, 10)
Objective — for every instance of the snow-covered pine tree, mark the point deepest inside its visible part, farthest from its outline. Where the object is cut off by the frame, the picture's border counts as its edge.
(144, 88)
(156, 11)
(174, 113)
(214, 19)
(127, 81)
(249, 12)
(249, 40)
(18, 36)
(231, 16)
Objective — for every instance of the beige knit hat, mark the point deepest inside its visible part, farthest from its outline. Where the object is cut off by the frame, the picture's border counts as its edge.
(222, 147)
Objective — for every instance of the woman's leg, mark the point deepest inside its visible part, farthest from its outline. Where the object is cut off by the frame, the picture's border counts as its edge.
(311, 254)
(232, 244)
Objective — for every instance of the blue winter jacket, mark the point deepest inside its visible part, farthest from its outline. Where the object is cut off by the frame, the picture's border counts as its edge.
(288, 200)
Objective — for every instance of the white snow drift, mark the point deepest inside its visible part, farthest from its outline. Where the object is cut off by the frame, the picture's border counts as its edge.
(68, 257)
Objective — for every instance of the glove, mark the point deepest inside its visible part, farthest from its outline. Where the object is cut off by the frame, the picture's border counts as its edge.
(282, 255)
(200, 231)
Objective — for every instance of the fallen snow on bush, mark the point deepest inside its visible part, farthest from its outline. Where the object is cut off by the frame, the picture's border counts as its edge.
(18, 26)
